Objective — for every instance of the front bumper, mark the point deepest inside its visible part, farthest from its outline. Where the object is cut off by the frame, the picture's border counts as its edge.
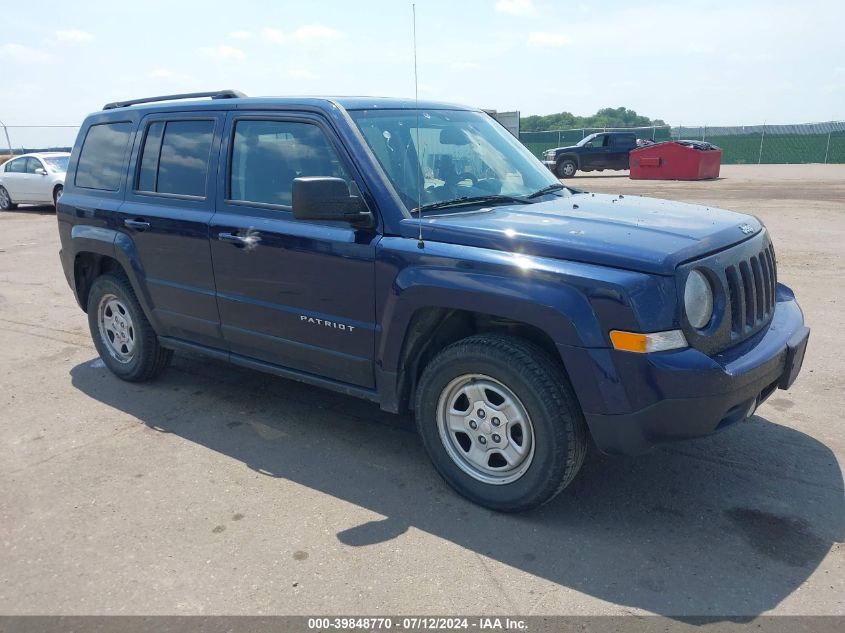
(550, 164)
(655, 398)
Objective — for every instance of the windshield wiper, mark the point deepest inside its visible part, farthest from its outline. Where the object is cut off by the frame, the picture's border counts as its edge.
(553, 187)
(464, 200)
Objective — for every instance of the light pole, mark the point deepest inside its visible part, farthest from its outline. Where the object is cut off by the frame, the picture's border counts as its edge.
(8, 142)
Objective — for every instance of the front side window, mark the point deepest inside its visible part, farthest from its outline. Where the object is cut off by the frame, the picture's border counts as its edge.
(175, 157)
(268, 155)
(594, 140)
(437, 156)
(100, 163)
(33, 165)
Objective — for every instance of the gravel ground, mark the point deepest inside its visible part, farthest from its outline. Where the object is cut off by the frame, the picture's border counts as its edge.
(216, 490)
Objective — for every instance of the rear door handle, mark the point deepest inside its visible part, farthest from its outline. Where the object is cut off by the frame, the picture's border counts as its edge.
(138, 225)
(251, 239)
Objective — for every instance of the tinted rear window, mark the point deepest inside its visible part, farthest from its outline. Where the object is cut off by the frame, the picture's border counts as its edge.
(101, 159)
(175, 157)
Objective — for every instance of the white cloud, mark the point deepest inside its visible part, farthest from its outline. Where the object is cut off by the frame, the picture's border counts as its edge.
(304, 34)
(165, 75)
(224, 51)
(301, 73)
(274, 35)
(463, 65)
(240, 35)
(161, 73)
(540, 38)
(315, 32)
(23, 54)
(516, 7)
(72, 36)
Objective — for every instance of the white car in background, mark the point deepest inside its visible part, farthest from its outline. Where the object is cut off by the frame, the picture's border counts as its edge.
(33, 179)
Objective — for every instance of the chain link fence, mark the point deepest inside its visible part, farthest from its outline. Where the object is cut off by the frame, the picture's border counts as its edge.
(768, 144)
(755, 144)
(748, 144)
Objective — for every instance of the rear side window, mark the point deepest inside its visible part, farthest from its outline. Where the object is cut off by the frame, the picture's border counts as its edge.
(175, 157)
(16, 166)
(268, 155)
(101, 159)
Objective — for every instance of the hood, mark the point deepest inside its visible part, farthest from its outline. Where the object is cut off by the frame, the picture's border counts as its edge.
(631, 232)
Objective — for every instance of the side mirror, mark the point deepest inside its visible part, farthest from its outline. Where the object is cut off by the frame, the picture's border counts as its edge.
(41, 171)
(327, 198)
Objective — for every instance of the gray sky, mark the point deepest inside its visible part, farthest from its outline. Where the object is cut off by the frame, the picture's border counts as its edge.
(709, 62)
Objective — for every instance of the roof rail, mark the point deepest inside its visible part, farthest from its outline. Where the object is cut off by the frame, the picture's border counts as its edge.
(217, 94)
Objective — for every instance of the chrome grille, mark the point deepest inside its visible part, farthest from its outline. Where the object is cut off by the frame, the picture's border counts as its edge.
(752, 287)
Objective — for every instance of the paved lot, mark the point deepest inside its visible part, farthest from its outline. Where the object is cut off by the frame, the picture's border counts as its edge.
(218, 490)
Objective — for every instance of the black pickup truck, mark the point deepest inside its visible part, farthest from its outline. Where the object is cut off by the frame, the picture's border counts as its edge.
(600, 151)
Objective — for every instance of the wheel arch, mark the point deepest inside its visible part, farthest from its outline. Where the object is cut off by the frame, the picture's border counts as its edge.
(101, 250)
(432, 329)
(87, 266)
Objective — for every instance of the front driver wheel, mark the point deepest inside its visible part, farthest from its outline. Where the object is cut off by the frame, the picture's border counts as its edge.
(122, 335)
(500, 422)
(566, 168)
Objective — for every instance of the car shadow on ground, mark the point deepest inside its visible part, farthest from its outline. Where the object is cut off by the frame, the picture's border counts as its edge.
(727, 526)
(31, 209)
(586, 176)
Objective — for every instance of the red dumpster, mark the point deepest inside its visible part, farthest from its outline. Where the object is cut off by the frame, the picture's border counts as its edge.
(675, 160)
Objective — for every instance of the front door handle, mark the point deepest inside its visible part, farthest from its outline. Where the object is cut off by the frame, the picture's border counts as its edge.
(138, 225)
(250, 240)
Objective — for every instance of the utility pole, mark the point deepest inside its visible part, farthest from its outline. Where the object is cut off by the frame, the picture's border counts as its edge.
(827, 149)
(8, 142)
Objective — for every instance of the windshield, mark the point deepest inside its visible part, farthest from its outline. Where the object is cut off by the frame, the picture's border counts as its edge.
(57, 163)
(462, 155)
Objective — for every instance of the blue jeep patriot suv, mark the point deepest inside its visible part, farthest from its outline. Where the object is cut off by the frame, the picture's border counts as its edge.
(417, 255)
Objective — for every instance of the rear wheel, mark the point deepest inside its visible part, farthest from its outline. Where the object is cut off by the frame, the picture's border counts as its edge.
(500, 422)
(6, 203)
(122, 335)
(57, 195)
(566, 168)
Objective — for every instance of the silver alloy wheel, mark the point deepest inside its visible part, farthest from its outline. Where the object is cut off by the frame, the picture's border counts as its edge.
(568, 169)
(485, 429)
(58, 195)
(116, 328)
(5, 200)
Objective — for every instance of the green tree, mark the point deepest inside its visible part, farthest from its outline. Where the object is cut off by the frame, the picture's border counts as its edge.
(606, 117)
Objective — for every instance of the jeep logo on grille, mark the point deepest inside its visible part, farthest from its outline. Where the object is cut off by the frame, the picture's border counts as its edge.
(746, 228)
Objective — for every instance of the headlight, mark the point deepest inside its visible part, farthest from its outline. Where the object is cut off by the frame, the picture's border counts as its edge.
(698, 300)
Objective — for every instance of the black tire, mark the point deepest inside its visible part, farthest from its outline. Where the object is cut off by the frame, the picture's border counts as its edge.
(6, 203)
(57, 193)
(566, 168)
(147, 358)
(541, 387)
